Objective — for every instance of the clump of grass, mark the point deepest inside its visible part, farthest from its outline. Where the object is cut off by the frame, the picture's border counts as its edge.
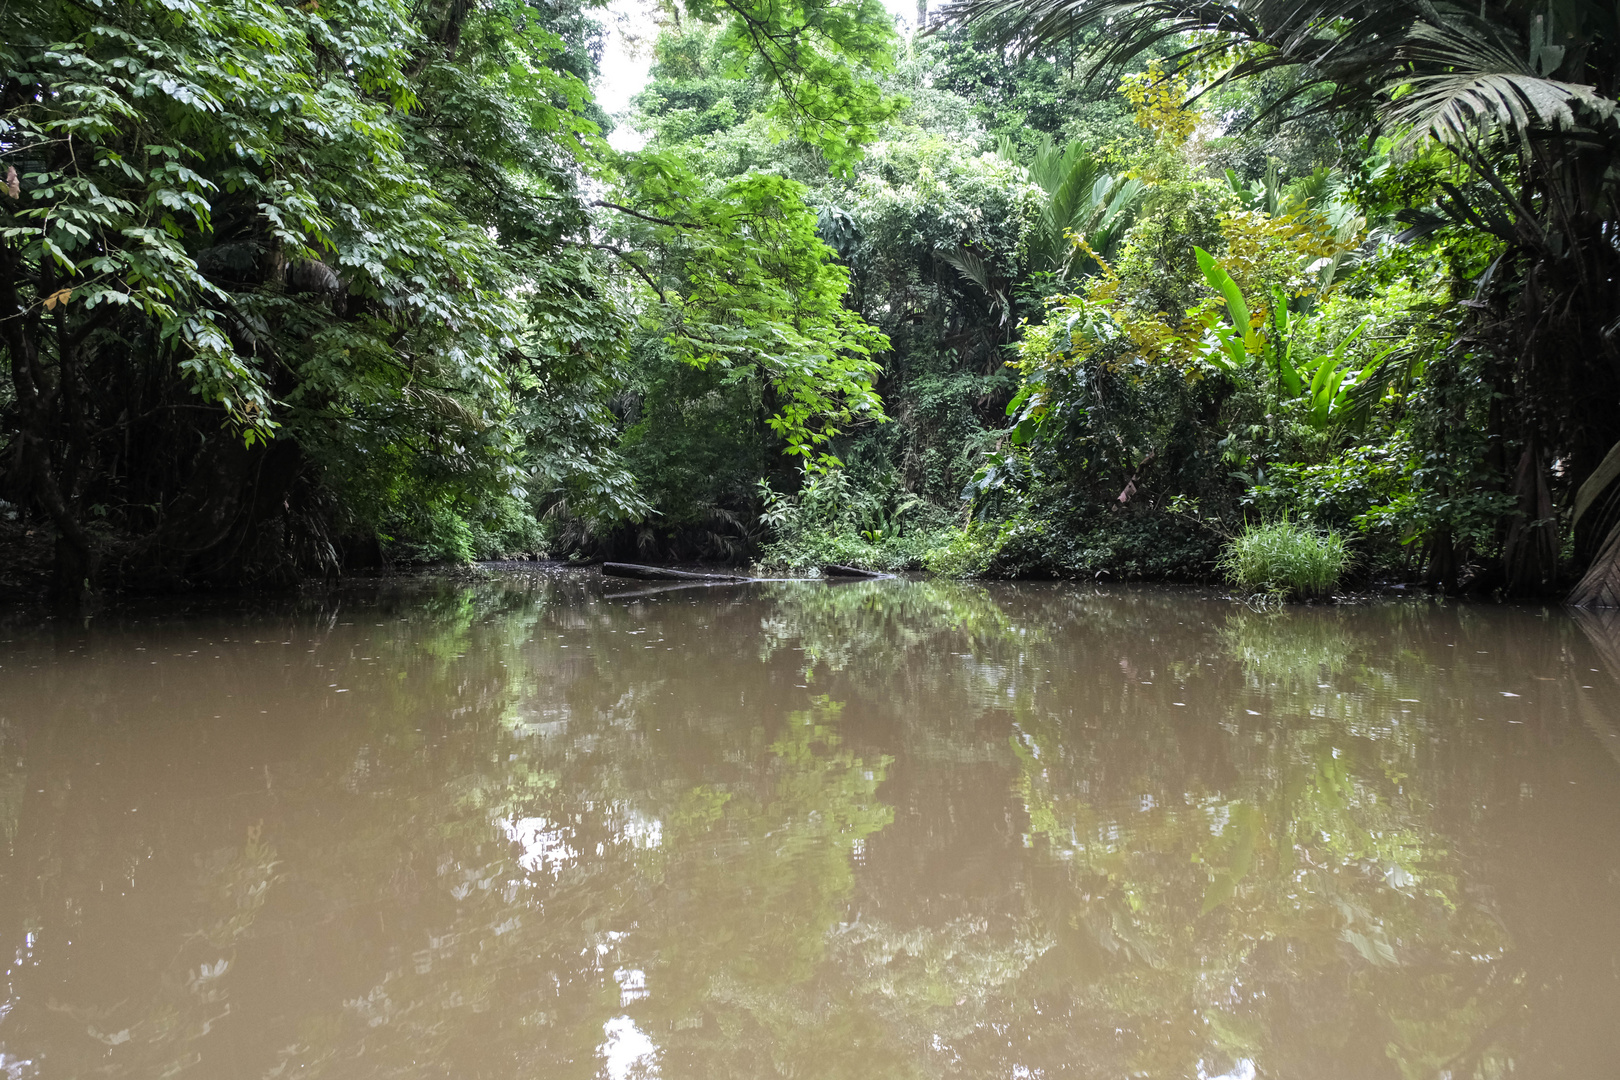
(1286, 560)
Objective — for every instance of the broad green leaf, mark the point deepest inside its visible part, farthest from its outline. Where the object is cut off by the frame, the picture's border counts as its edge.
(1606, 473)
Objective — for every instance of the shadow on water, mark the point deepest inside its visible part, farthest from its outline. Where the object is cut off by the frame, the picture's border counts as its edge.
(535, 827)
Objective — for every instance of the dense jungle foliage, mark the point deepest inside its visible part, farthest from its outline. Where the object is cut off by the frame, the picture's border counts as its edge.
(1057, 287)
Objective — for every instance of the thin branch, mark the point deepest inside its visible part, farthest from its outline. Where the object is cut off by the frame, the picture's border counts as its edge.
(627, 257)
(646, 217)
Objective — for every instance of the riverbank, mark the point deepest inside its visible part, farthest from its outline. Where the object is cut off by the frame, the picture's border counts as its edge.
(25, 577)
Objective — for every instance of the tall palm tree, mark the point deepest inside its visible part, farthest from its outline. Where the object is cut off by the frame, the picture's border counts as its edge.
(1523, 94)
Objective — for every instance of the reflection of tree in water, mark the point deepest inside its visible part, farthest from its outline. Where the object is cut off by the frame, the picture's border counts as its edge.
(1294, 891)
(749, 883)
(520, 851)
(215, 879)
(1602, 629)
(864, 625)
(990, 841)
(1276, 649)
(1273, 883)
(1294, 910)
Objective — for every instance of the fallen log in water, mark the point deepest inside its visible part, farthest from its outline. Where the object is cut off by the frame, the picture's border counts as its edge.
(663, 573)
(839, 570)
(673, 586)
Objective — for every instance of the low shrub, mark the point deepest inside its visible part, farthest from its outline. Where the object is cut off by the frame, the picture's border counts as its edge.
(833, 519)
(1286, 560)
(966, 552)
(808, 551)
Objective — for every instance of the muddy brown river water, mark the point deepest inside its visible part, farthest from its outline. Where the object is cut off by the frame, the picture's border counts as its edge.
(544, 826)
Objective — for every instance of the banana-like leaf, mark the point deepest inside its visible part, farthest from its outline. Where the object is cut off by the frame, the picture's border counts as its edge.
(1328, 382)
(1284, 351)
(1330, 392)
(1319, 396)
(1361, 327)
(1371, 387)
(1290, 375)
(1230, 342)
(1222, 282)
(1233, 347)
(1279, 309)
(1324, 370)
(1347, 402)
(1026, 405)
(1018, 399)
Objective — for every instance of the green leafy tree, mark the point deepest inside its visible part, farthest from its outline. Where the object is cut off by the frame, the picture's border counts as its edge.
(700, 442)
(1521, 97)
(820, 57)
(287, 285)
(254, 263)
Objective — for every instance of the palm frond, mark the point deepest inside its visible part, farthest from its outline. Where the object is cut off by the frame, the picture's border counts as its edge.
(1472, 85)
(1073, 201)
(974, 268)
(1133, 25)
(1601, 480)
(1395, 368)
(1080, 198)
(1124, 198)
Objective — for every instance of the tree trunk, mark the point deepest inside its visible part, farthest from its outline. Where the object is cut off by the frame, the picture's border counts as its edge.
(73, 578)
(1530, 554)
(840, 570)
(50, 421)
(1441, 573)
(238, 520)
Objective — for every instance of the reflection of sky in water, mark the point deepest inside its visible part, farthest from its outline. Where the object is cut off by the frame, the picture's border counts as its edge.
(546, 847)
(628, 1052)
(632, 984)
(13, 1067)
(545, 850)
(543, 721)
(16, 1068)
(645, 833)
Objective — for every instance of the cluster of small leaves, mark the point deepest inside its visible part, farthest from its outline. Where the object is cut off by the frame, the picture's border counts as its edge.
(753, 289)
(139, 120)
(1160, 101)
(820, 56)
(1265, 253)
(1099, 323)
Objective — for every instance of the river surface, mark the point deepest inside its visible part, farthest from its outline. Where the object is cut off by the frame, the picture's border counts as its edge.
(547, 826)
